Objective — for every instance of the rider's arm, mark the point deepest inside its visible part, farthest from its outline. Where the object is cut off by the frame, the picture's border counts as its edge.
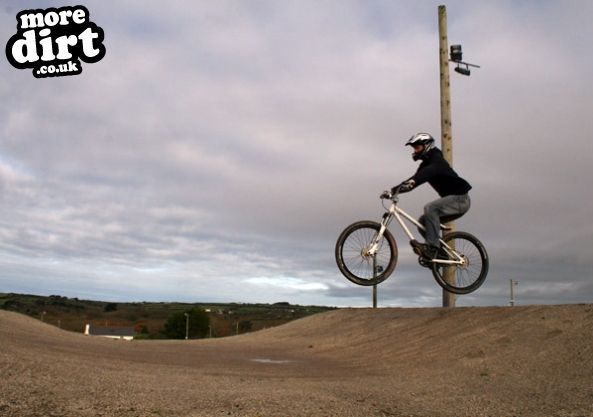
(426, 172)
(405, 186)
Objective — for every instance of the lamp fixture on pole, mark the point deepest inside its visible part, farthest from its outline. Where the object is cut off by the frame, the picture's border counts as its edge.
(456, 55)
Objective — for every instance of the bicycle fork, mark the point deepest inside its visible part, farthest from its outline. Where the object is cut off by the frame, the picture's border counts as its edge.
(376, 242)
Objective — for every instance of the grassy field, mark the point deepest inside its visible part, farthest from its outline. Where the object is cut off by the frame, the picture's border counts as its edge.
(149, 317)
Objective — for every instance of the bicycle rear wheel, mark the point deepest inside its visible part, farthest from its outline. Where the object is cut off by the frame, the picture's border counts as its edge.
(468, 277)
(353, 261)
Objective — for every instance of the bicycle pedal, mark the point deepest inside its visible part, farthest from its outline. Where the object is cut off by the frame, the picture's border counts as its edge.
(424, 262)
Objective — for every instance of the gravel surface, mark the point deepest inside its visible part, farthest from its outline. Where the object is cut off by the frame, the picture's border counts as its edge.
(520, 361)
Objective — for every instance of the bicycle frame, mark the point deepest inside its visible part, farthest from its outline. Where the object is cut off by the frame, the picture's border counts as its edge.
(399, 214)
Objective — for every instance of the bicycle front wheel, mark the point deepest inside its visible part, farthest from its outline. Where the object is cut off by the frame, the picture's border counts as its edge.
(352, 254)
(466, 278)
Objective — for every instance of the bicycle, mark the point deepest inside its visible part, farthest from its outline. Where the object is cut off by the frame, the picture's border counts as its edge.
(366, 253)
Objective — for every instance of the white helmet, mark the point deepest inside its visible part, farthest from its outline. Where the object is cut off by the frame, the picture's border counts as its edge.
(421, 139)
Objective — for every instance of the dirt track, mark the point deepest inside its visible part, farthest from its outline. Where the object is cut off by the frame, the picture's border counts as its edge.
(521, 361)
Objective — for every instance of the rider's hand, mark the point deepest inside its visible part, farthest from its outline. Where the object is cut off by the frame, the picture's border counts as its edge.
(386, 194)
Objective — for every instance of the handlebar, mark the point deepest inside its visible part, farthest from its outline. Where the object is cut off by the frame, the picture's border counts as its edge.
(392, 195)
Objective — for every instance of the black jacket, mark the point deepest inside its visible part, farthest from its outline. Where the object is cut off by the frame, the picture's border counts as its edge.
(435, 170)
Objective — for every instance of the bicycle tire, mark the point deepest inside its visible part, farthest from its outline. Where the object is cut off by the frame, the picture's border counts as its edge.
(469, 277)
(351, 261)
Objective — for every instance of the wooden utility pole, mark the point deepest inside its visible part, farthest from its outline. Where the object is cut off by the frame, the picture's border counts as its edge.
(446, 136)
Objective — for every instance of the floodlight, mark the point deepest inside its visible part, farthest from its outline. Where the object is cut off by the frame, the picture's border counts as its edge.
(456, 54)
(462, 71)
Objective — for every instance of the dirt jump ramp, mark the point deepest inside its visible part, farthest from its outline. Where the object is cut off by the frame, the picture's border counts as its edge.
(519, 361)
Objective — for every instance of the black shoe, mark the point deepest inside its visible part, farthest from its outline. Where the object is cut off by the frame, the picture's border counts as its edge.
(424, 250)
(417, 247)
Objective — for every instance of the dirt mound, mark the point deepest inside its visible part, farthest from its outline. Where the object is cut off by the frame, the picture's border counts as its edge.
(520, 361)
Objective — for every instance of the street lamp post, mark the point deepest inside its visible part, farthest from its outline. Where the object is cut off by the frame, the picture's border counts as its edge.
(512, 284)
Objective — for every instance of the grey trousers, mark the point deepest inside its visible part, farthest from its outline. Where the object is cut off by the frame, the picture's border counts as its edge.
(439, 211)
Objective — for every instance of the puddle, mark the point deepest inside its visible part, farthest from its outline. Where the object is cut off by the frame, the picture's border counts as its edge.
(271, 361)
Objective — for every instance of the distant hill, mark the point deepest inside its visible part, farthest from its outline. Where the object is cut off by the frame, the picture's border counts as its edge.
(148, 318)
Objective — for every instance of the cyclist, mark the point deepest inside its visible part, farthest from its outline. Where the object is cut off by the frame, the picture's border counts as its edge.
(453, 190)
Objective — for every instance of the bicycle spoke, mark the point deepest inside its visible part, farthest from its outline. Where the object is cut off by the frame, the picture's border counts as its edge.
(353, 248)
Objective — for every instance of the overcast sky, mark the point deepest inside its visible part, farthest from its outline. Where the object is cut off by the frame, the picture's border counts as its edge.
(219, 148)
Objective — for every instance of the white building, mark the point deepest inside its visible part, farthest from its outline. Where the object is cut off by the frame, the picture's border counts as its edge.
(122, 333)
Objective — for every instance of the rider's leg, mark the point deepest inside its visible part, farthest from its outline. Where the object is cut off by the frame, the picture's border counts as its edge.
(447, 208)
(422, 221)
